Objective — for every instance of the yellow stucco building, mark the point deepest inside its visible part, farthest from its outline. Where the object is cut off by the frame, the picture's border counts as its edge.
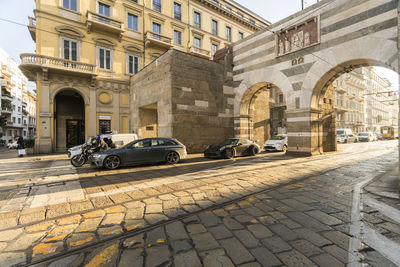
(87, 51)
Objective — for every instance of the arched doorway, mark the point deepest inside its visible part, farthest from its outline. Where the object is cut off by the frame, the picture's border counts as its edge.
(69, 119)
(352, 97)
(262, 112)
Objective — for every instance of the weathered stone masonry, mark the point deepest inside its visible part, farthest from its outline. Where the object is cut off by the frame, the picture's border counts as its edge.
(193, 96)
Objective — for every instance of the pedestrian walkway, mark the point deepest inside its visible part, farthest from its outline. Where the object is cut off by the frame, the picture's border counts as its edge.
(381, 219)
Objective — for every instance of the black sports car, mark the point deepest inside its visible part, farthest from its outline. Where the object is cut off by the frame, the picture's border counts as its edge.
(231, 148)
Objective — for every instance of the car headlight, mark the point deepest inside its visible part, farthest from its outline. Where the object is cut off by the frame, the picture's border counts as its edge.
(222, 148)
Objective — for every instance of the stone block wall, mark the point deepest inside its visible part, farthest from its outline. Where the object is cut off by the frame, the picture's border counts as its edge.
(193, 97)
(202, 106)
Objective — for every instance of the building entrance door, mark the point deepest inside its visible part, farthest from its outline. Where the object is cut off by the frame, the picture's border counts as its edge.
(75, 133)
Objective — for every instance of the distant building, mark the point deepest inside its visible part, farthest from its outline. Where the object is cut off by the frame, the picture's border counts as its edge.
(363, 101)
(17, 105)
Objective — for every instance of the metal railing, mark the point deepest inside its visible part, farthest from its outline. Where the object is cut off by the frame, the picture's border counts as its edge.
(104, 20)
(7, 97)
(159, 37)
(59, 63)
(6, 110)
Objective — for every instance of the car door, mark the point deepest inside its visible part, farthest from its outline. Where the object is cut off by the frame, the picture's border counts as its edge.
(139, 151)
(158, 149)
(242, 147)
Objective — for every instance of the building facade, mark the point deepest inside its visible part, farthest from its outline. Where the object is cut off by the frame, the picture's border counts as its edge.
(363, 101)
(86, 52)
(18, 105)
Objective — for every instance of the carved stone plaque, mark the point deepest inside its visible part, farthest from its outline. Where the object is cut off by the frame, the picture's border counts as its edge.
(298, 37)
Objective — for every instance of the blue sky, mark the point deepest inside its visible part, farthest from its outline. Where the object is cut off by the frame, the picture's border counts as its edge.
(15, 39)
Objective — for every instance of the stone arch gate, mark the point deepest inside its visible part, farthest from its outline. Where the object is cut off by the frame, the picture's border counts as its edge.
(303, 53)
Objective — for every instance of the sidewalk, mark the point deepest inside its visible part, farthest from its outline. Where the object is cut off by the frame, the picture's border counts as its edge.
(11, 155)
(381, 219)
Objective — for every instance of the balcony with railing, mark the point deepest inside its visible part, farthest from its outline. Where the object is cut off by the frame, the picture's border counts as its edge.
(7, 97)
(195, 50)
(104, 23)
(33, 62)
(5, 110)
(155, 39)
(32, 27)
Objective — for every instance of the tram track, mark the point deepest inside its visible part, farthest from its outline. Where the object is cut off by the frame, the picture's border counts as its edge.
(304, 160)
(132, 233)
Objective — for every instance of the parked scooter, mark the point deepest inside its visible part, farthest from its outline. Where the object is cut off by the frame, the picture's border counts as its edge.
(82, 155)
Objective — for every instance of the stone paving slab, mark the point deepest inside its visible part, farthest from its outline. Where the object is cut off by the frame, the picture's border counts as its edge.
(218, 235)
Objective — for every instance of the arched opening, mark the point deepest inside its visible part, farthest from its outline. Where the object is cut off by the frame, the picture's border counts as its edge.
(262, 112)
(69, 119)
(352, 98)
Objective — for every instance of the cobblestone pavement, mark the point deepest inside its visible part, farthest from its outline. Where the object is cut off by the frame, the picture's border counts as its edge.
(268, 210)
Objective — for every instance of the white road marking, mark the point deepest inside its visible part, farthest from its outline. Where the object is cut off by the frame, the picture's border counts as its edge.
(388, 248)
(383, 208)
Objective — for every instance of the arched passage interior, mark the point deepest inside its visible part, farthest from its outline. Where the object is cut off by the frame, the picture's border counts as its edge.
(262, 112)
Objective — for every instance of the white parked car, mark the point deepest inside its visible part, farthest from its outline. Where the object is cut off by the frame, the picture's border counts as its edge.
(276, 143)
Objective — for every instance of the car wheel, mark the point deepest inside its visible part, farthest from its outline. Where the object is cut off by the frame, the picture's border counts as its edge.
(345, 141)
(229, 153)
(112, 162)
(284, 149)
(78, 160)
(254, 151)
(172, 158)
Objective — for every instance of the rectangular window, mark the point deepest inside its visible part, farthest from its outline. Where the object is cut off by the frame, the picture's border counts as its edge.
(104, 9)
(197, 19)
(197, 44)
(177, 11)
(70, 4)
(133, 64)
(105, 59)
(157, 5)
(132, 22)
(241, 35)
(157, 30)
(252, 21)
(70, 50)
(214, 27)
(240, 14)
(228, 33)
(214, 49)
(177, 37)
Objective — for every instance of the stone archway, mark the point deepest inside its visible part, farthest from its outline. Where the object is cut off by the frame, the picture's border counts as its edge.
(262, 113)
(69, 119)
(252, 117)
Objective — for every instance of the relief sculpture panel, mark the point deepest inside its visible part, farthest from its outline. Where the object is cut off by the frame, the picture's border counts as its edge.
(298, 37)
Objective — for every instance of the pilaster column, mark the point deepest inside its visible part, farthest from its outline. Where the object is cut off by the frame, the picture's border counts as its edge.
(91, 121)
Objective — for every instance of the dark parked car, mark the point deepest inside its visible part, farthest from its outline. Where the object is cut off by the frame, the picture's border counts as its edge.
(231, 148)
(141, 151)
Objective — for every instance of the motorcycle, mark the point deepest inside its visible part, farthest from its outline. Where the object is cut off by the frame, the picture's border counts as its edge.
(82, 154)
